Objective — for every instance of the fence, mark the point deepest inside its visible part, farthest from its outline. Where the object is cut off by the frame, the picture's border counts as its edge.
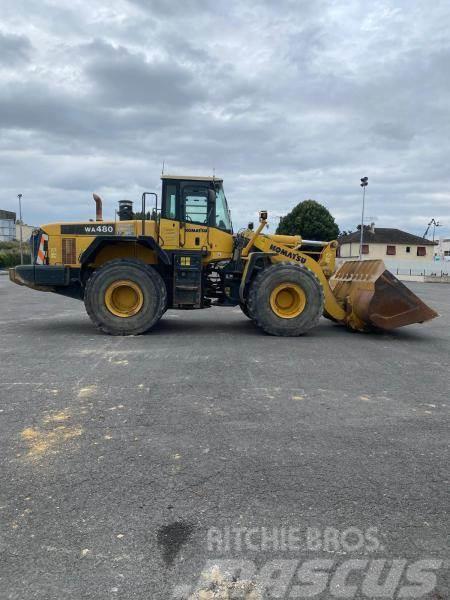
(424, 272)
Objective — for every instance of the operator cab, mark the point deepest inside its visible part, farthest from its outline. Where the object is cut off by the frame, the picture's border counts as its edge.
(197, 200)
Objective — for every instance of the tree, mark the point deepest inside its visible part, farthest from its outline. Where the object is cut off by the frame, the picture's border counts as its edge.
(138, 216)
(311, 220)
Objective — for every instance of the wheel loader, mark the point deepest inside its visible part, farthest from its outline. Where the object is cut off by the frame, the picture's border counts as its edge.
(182, 254)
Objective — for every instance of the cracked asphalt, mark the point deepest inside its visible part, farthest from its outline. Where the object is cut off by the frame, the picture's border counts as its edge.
(119, 454)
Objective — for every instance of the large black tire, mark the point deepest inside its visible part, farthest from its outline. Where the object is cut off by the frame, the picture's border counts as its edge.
(245, 310)
(151, 297)
(310, 297)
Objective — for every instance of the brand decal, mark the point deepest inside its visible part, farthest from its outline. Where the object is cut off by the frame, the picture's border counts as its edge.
(87, 229)
(197, 230)
(288, 253)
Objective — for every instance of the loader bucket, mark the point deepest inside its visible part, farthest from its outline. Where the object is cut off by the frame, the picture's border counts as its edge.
(375, 299)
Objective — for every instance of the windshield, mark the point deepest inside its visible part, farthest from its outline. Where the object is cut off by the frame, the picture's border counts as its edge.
(223, 220)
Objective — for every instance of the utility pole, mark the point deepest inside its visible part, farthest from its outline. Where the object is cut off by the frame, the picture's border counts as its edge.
(364, 183)
(20, 237)
(435, 224)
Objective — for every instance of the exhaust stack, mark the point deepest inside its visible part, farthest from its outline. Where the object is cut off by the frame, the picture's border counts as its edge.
(125, 211)
(98, 207)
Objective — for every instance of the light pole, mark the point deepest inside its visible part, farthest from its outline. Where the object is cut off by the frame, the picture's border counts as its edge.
(364, 183)
(20, 219)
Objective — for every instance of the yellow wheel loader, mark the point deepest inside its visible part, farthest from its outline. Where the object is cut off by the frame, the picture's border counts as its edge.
(183, 254)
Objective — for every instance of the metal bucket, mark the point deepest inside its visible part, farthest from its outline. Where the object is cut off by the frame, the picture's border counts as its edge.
(374, 299)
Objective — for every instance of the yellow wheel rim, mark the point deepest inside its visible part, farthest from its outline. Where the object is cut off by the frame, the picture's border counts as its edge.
(124, 298)
(288, 300)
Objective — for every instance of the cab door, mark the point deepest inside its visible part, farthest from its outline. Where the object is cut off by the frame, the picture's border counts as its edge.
(169, 224)
(197, 212)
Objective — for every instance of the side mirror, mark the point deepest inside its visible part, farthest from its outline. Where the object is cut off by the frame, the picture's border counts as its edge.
(211, 195)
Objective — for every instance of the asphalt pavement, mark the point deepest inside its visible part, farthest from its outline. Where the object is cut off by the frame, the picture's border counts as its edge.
(130, 465)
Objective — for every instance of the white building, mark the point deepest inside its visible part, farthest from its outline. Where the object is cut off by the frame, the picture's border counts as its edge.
(442, 250)
(7, 226)
(27, 230)
(402, 252)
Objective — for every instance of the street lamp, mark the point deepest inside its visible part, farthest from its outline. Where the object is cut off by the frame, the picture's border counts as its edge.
(364, 183)
(20, 219)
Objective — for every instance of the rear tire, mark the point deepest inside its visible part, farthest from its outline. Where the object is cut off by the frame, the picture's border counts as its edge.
(286, 300)
(125, 297)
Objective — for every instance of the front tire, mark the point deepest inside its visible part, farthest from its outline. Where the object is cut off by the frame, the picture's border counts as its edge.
(243, 306)
(125, 297)
(286, 300)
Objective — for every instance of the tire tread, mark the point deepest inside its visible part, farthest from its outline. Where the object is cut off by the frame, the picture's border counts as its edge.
(123, 262)
(260, 280)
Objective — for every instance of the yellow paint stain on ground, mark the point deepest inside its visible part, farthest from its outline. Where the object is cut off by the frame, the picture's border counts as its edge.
(58, 417)
(298, 397)
(87, 391)
(115, 361)
(40, 441)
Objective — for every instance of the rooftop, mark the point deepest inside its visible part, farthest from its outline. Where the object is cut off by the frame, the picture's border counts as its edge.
(191, 178)
(7, 215)
(385, 235)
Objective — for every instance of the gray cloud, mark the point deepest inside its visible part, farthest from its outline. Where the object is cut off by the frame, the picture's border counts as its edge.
(286, 100)
(125, 79)
(14, 49)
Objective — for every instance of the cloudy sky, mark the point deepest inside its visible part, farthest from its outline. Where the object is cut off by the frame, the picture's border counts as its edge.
(286, 99)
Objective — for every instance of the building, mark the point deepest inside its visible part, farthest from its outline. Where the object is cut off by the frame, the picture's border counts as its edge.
(387, 244)
(403, 253)
(442, 251)
(7, 226)
(27, 230)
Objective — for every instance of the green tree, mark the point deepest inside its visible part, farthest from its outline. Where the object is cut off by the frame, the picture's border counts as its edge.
(311, 220)
(138, 216)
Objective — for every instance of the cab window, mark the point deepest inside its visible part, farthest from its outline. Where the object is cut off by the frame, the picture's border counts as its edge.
(223, 220)
(170, 201)
(195, 204)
